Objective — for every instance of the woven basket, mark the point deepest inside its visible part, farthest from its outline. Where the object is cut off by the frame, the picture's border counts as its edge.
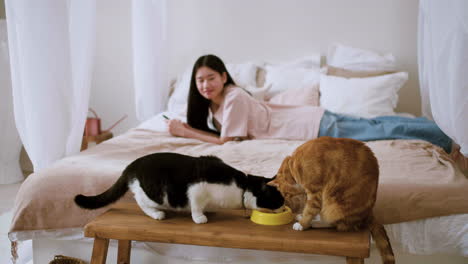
(59, 259)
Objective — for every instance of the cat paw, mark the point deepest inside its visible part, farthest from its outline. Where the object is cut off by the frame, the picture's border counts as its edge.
(298, 227)
(159, 215)
(201, 219)
(299, 217)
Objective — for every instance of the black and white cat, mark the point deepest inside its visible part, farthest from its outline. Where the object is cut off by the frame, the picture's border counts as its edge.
(179, 182)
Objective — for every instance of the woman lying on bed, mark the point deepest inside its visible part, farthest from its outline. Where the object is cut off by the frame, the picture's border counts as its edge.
(215, 101)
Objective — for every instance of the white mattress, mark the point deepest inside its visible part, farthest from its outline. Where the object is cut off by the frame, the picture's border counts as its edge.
(439, 235)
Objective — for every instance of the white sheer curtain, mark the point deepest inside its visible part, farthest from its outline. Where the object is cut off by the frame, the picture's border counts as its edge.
(149, 57)
(443, 66)
(10, 171)
(51, 44)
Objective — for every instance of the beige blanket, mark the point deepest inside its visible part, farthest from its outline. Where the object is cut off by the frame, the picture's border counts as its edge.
(417, 179)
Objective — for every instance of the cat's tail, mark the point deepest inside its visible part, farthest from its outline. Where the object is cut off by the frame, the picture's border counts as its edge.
(111, 195)
(381, 240)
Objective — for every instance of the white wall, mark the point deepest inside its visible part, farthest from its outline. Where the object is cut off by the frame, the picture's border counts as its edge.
(241, 30)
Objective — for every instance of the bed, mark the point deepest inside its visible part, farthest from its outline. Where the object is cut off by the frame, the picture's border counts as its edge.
(421, 197)
(422, 202)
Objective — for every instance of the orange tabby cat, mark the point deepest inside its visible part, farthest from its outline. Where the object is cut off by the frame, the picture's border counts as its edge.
(340, 178)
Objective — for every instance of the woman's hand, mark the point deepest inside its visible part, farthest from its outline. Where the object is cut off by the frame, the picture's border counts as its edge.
(177, 127)
(180, 129)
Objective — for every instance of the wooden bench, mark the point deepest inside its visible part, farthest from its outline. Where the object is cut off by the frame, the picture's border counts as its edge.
(229, 229)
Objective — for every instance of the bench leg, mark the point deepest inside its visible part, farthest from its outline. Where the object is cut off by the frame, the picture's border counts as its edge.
(123, 255)
(100, 250)
(350, 260)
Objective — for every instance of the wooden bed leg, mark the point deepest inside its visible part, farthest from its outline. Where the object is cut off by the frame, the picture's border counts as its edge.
(350, 260)
(100, 250)
(123, 255)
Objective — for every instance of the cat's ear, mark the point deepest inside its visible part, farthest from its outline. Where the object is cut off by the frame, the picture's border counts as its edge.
(273, 183)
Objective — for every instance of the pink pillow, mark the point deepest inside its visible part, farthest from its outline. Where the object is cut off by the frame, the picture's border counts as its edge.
(307, 95)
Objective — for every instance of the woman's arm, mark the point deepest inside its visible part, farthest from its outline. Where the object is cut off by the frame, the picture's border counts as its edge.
(180, 129)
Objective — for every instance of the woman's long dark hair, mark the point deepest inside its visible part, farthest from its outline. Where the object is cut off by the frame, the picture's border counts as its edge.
(197, 108)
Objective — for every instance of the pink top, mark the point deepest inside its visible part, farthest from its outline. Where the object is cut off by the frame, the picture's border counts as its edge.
(241, 115)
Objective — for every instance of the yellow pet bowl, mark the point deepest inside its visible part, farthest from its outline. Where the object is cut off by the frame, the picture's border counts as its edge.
(282, 218)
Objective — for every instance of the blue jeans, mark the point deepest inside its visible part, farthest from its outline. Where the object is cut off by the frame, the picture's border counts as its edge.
(384, 127)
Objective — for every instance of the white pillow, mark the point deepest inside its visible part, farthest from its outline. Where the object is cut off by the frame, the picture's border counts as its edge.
(359, 60)
(295, 74)
(177, 102)
(363, 97)
(306, 95)
(243, 74)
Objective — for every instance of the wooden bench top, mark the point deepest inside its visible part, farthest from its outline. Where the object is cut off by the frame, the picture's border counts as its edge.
(228, 229)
